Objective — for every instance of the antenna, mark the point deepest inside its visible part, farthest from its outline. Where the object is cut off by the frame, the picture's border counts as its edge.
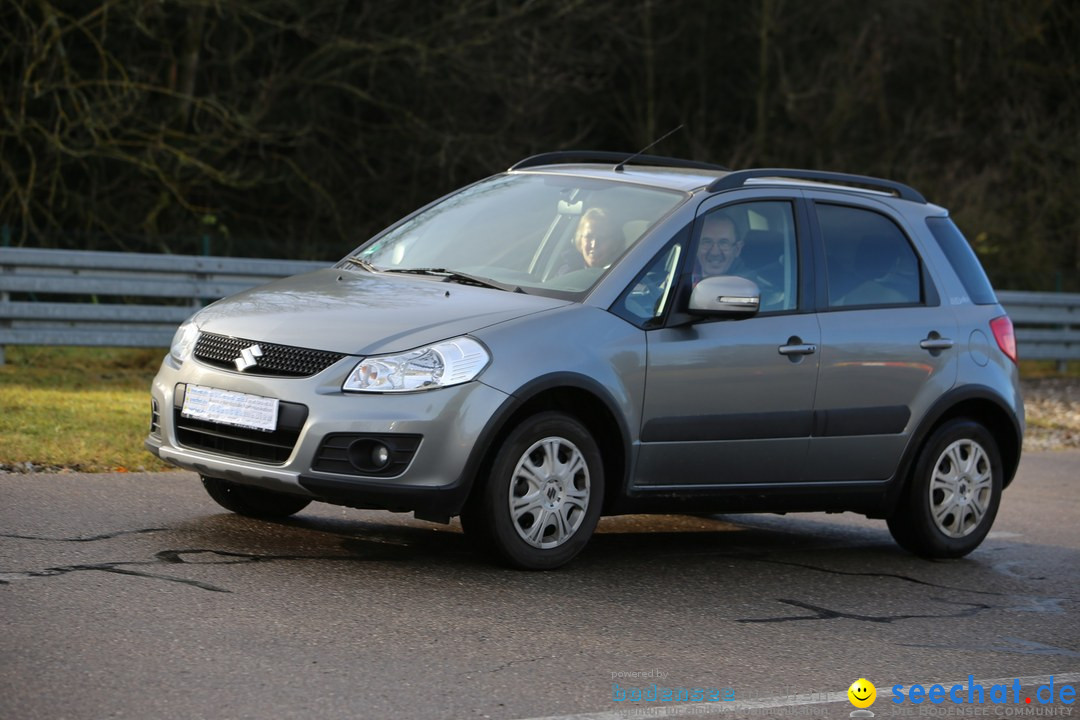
(619, 167)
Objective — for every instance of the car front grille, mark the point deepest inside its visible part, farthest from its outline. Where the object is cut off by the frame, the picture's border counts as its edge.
(273, 448)
(276, 360)
(155, 418)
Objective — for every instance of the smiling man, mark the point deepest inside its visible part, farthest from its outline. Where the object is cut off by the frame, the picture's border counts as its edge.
(718, 247)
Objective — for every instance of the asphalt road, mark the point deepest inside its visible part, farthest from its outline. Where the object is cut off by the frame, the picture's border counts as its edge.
(134, 596)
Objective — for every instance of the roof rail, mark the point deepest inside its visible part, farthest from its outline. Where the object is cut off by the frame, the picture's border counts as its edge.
(739, 177)
(563, 157)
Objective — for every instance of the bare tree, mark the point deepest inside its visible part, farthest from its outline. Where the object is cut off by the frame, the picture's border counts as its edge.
(286, 127)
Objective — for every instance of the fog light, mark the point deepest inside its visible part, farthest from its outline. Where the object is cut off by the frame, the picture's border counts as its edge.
(368, 455)
(380, 455)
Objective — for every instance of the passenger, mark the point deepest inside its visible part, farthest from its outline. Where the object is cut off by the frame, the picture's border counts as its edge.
(597, 239)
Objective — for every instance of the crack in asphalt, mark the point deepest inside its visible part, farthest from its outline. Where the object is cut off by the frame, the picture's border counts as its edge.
(896, 576)
(823, 613)
(179, 557)
(1039, 603)
(385, 549)
(763, 558)
(111, 567)
(91, 538)
(1002, 568)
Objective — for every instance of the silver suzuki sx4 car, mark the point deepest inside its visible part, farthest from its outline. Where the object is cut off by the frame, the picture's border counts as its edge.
(589, 334)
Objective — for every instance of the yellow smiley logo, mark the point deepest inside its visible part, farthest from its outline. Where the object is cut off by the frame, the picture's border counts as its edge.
(862, 693)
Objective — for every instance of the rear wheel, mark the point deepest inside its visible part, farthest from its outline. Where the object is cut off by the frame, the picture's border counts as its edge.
(954, 493)
(540, 503)
(252, 501)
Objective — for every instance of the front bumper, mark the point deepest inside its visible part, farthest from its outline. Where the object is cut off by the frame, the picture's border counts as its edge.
(436, 481)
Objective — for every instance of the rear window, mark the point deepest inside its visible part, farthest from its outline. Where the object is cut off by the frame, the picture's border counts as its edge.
(868, 259)
(963, 259)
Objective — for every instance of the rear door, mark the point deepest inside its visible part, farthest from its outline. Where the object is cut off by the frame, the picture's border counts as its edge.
(888, 346)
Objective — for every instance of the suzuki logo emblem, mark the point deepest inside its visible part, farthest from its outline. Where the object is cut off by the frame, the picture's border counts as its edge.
(248, 357)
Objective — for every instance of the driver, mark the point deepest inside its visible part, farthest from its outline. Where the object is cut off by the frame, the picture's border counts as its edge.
(718, 248)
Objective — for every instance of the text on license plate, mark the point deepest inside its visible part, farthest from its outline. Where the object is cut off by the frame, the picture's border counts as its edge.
(230, 408)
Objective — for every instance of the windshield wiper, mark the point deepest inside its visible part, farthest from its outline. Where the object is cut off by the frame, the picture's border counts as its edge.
(457, 277)
(361, 262)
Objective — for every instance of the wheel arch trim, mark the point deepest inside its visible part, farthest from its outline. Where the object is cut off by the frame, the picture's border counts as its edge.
(946, 407)
(498, 424)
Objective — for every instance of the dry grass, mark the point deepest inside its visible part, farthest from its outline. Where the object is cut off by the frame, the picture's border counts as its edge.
(1053, 413)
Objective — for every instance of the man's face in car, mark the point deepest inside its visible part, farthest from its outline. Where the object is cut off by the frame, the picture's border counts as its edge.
(718, 247)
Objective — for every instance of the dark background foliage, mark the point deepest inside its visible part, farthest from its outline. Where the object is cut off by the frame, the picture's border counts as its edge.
(290, 128)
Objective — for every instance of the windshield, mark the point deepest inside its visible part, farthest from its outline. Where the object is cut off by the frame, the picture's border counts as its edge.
(543, 234)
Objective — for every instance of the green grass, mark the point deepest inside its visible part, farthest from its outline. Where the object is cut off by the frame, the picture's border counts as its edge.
(86, 409)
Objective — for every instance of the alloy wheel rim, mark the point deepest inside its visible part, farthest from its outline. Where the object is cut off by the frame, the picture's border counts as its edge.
(549, 492)
(961, 488)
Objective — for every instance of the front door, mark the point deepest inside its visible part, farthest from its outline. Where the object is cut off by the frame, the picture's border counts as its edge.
(730, 402)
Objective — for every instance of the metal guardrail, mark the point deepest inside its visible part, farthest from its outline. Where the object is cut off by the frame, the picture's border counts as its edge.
(1047, 324)
(81, 297)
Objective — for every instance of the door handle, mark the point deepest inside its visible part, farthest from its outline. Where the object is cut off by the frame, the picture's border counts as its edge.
(798, 349)
(936, 343)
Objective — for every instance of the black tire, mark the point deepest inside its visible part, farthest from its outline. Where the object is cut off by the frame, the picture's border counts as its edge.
(571, 491)
(252, 501)
(953, 494)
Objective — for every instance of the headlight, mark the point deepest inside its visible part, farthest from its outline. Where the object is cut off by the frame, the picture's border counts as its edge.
(446, 363)
(183, 341)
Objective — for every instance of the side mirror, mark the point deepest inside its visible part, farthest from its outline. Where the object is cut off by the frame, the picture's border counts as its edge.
(725, 296)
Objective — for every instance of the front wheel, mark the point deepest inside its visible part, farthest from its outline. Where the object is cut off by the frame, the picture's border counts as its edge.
(954, 493)
(252, 501)
(541, 501)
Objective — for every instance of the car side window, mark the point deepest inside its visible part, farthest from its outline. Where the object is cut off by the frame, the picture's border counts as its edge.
(868, 259)
(754, 240)
(648, 296)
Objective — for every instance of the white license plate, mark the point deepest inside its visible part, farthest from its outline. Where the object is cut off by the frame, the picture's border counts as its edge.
(230, 408)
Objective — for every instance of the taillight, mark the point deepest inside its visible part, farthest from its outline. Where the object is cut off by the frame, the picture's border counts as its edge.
(1005, 336)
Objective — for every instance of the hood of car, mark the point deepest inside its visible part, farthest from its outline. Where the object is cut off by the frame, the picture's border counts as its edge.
(362, 313)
